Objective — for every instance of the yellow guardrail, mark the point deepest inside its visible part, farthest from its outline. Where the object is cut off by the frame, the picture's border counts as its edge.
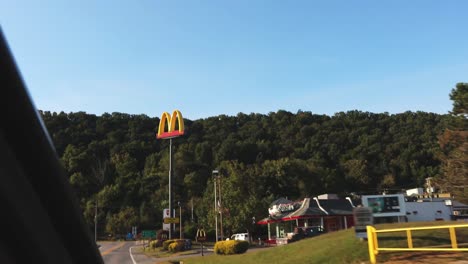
(374, 249)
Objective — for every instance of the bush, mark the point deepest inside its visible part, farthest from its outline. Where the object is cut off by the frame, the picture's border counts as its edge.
(155, 244)
(166, 243)
(242, 247)
(177, 246)
(230, 247)
(174, 245)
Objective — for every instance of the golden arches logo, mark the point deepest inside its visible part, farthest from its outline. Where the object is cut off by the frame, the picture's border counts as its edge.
(201, 235)
(171, 125)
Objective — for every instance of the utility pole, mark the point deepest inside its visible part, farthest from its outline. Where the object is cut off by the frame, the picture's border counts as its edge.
(192, 210)
(180, 220)
(95, 222)
(215, 204)
(220, 209)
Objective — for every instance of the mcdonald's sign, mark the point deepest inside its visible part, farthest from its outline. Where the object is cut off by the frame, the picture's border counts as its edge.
(201, 235)
(171, 125)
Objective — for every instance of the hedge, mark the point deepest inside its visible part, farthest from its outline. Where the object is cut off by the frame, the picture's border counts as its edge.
(174, 245)
(230, 247)
(155, 244)
(166, 243)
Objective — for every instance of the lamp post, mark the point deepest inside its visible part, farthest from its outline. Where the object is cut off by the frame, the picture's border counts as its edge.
(95, 222)
(220, 205)
(215, 175)
(180, 220)
(253, 230)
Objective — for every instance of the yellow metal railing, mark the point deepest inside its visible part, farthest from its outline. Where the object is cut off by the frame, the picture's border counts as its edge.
(374, 249)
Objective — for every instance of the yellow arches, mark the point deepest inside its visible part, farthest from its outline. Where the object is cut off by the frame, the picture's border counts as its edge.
(171, 125)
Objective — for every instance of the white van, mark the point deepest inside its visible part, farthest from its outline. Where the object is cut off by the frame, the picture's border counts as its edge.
(241, 236)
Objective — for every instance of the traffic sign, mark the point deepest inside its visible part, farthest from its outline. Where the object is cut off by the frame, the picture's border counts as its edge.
(148, 234)
(201, 235)
(362, 218)
(171, 220)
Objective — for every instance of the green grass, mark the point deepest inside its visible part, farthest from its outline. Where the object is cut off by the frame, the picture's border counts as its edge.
(337, 247)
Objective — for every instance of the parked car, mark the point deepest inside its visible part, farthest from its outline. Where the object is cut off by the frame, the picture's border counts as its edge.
(311, 231)
(241, 236)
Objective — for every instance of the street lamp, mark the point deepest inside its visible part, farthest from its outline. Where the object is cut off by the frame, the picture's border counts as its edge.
(95, 221)
(220, 205)
(215, 174)
(253, 230)
(180, 219)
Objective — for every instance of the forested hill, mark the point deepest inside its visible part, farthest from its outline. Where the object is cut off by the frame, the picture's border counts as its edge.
(117, 160)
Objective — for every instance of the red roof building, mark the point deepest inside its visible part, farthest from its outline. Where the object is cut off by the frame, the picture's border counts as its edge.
(328, 214)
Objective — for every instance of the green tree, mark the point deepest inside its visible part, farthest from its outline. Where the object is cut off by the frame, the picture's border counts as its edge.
(122, 222)
(116, 159)
(454, 147)
(459, 96)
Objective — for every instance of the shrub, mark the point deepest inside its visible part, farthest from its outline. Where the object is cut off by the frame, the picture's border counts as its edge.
(230, 247)
(218, 247)
(166, 243)
(242, 247)
(176, 246)
(159, 243)
(155, 244)
(152, 244)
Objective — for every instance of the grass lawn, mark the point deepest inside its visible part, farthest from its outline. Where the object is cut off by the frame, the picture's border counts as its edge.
(339, 247)
(336, 247)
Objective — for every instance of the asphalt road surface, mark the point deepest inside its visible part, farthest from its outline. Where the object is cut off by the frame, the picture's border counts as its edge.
(122, 252)
(119, 252)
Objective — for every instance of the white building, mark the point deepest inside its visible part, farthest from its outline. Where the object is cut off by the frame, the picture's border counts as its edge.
(428, 211)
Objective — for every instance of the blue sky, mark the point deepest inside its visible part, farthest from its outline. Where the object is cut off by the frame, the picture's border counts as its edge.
(224, 57)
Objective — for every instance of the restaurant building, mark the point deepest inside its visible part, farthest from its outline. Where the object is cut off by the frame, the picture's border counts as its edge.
(326, 212)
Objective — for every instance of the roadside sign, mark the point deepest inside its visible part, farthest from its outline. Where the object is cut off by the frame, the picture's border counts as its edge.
(167, 214)
(201, 235)
(148, 234)
(362, 218)
(171, 220)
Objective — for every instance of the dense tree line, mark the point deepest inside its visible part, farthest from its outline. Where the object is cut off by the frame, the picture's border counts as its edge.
(115, 160)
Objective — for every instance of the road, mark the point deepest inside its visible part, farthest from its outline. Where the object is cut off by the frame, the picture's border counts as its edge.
(118, 252)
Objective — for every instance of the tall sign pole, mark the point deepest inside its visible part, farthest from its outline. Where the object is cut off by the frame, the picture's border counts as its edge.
(170, 188)
(217, 204)
(220, 210)
(215, 209)
(170, 134)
